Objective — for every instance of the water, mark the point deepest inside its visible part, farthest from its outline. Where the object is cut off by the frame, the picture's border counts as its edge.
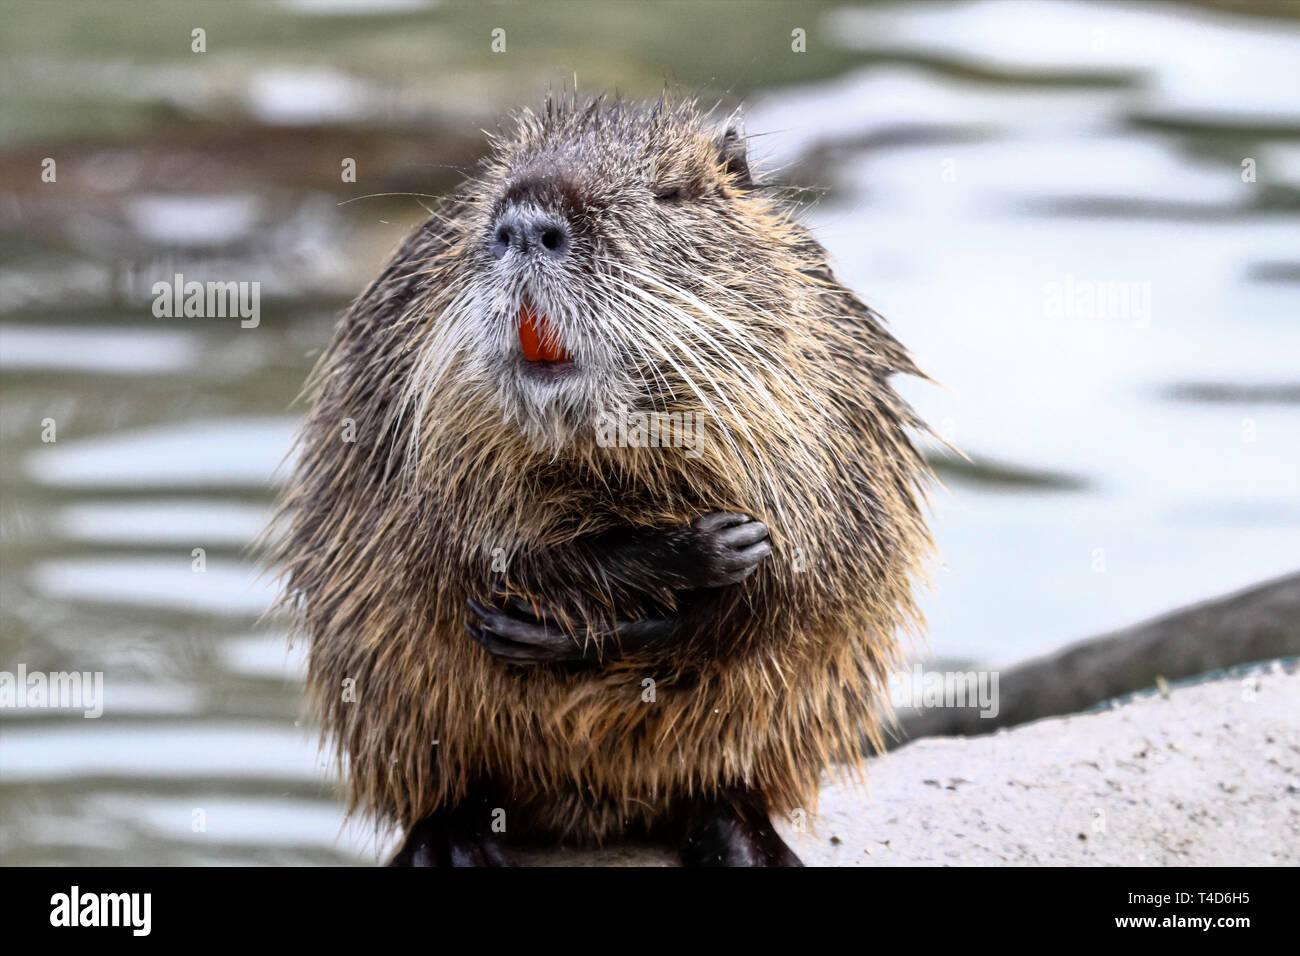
(1047, 201)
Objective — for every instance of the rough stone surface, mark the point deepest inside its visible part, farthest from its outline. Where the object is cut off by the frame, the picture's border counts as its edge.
(1209, 775)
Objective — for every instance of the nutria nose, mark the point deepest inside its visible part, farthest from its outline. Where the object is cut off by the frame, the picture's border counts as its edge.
(523, 232)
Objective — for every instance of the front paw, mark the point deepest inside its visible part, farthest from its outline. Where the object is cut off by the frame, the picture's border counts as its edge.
(726, 548)
(515, 630)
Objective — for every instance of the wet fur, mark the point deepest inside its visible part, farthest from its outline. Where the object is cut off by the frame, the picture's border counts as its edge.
(384, 539)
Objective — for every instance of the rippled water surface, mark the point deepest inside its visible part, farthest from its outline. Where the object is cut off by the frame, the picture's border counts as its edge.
(1084, 219)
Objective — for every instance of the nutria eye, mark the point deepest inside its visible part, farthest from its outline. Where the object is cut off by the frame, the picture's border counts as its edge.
(675, 194)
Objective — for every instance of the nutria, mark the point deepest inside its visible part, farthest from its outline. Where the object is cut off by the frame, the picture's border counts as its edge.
(520, 630)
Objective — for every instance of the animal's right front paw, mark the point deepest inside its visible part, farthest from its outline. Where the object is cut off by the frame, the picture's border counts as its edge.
(725, 548)
(518, 631)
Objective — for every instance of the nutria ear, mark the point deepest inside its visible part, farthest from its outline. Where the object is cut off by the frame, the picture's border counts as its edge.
(733, 151)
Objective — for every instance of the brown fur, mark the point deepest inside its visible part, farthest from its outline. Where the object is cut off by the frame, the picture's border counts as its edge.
(387, 537)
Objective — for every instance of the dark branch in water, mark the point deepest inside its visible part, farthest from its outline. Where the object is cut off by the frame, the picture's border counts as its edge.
(1258, 624)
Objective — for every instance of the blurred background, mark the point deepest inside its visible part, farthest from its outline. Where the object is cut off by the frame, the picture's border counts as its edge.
(1083, 218)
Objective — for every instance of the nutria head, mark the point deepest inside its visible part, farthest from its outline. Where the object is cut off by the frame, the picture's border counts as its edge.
(606, 257)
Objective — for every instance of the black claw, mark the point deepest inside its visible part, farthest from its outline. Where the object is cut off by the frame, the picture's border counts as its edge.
(718, 520)
(527, 609)
(518, 633)
(750, 556)
(727, 547)
(742, 535)
(521, 634)
(506, 649)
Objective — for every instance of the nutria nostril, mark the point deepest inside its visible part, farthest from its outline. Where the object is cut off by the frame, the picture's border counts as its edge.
(502, 240)
(522, 232)
(553, 239)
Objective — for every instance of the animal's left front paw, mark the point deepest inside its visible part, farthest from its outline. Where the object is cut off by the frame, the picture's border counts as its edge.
(518, 631)
(724, 548)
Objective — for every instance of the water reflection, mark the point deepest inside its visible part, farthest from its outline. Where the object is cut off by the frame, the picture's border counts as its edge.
(194, 453)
